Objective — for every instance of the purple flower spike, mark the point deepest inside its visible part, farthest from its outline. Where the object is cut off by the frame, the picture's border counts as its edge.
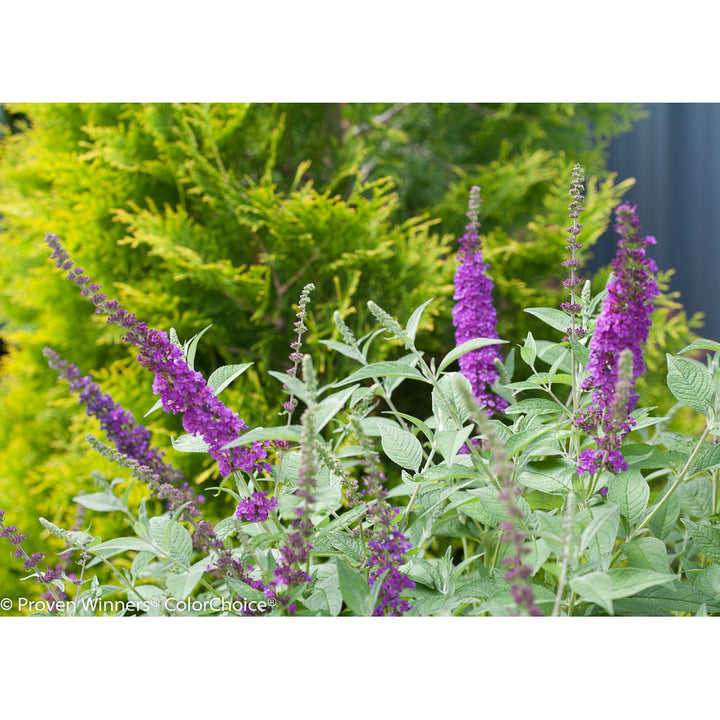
(624, 322)
(128, 437)
(616, 349)
(181, 389)
(474, 315)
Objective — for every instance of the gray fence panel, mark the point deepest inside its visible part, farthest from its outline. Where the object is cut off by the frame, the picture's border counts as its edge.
(674, 154)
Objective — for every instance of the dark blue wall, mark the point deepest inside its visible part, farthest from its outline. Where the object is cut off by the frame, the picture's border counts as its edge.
(674, 155)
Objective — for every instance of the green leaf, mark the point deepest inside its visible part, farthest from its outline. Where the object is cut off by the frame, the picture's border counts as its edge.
(189, 443)
(598, 538)
(295, 386)
(414, 321)
(629, 581)
(707, 458)
(155, 407)
(488, 509)
(326, 596)
(701, 344)
(648, 553)
(449, 442)
(354, 588)
(182, 584)
(696, 497)
(665, 518)
(223, 376)
(330, 406)
(582, 354)
(104, 501)
(520, 440)
(118, 545)
(630, 491)
(556, 319)
(180, 544)
(345, 349)
(534, 406)
(392, 368)
(557, 482)
(667, 599)
(171, 537)
(708, 581)
(279, 432)
(455, 391)
(350, 547)
(594, 587)
(691, 383)
(402, 447)
(466, 347)
(191, 347)
(706, 537)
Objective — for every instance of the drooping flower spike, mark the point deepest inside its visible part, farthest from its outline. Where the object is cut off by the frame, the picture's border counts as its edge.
(127, 435)
(181, 389)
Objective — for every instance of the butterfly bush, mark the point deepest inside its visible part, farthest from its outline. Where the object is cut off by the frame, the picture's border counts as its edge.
(368, 510)
(474, 314)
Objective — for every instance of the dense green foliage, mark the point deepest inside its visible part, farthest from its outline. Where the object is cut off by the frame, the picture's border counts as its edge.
(194, 215)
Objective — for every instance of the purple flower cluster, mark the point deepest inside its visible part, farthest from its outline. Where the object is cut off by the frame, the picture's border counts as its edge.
(615, 423)
(624, 322)
(474, 314)
(388, 546)
(623, 325)
(30, 561)
(128, 436)
(16, 538)
(181, 389)
(256, 507)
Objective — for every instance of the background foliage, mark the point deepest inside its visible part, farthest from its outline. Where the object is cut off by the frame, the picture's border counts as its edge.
(219, 214)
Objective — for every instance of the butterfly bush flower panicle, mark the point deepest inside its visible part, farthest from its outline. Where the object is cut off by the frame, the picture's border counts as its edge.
(616, 423)
(623, 325)
(295, 554)
(296, 356)
(182, 390)
(518, 572)
(573, 307)
(474, 314)
(31, 562)
(387, 544)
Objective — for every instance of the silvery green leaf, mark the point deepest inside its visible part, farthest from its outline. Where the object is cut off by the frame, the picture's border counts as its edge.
(402, 447)
(466, 347)
(189, 443)
(691, 383)
(223, 376)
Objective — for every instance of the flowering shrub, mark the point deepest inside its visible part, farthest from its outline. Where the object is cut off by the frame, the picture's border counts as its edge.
(556, 494)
